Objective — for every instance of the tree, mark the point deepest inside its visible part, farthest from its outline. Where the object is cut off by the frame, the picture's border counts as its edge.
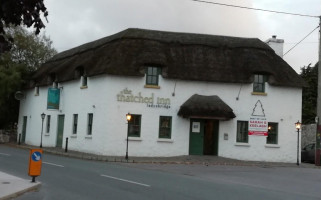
(19, 12)
(309, 93)
(27, 54)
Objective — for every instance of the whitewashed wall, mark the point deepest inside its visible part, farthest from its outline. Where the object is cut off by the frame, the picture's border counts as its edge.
(281, 105)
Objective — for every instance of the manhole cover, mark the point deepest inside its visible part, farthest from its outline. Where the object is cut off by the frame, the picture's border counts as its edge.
(5, 182)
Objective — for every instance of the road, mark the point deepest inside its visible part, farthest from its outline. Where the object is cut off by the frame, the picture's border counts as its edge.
(68, 178)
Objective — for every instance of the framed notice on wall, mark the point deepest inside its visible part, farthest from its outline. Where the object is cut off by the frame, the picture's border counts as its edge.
(258, 126)
(196, 127)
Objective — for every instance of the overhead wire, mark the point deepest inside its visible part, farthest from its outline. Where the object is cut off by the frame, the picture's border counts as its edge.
(300, 41)
(249, 8)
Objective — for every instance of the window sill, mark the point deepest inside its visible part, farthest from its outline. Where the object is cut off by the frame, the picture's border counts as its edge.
(88, 137)
(152, 86)
(272, 146)
(73, 136)
(36, 94)
(259, 93)
(165, 140)
(47, 134)
(83, 87)
(134, 139)
(242, 144)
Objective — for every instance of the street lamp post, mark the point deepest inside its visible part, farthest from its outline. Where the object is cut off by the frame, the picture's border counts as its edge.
(43, 115)
(298, 127)
(128, 118)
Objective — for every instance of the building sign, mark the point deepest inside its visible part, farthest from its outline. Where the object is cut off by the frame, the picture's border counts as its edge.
(151, 101)
(258, 126)
(53, 98)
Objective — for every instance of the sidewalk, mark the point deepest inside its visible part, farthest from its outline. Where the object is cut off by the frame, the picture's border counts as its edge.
(12, 186)
(189, 159)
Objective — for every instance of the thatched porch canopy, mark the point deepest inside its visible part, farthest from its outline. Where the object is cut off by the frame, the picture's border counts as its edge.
(209, 107)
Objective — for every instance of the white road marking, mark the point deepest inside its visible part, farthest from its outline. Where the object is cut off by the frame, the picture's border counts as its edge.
(48, 163)
(128, 181)
(4, 154)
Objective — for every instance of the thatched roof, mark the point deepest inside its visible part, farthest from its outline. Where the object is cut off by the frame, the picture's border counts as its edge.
(198, 106)
(184, 56)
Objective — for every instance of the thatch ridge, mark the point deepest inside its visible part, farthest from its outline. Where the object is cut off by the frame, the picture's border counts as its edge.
(185, 56)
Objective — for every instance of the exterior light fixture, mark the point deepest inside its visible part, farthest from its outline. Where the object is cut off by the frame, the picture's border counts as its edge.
(298, 127)
(128, 118)
(43, 115)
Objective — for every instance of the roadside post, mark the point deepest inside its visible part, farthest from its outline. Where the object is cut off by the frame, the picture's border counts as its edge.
(35, 162)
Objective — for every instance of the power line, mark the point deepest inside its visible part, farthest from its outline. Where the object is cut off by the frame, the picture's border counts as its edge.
(301, 40)
(273, 11)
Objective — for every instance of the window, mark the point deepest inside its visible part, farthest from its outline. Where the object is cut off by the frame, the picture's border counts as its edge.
(273, 133)
(242, 131)
(75, 124)
(152, 75)
(48, 124)
(165, 126)
(134, 126)
(259, 83)
(37, 91)
(90, 124)
(84, 82)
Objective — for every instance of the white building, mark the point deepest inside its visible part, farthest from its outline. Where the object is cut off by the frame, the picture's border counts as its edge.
(187, 93)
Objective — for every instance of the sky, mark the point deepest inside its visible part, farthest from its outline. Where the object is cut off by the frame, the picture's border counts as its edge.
(75, 22)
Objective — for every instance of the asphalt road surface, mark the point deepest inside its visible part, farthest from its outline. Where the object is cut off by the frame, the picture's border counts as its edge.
(69, 178)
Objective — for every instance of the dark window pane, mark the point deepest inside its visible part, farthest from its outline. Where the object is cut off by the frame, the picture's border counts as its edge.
(242, 131)
(165, 126)
(134, 126)
(272, 134)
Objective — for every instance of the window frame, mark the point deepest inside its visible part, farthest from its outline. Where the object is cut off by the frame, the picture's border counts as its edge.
(239, 137)
(135, 122)
(274, 126)
(259, 83)
(90, 120)
(48, 119)
(167, 129)
(152, 77)
(74, 124)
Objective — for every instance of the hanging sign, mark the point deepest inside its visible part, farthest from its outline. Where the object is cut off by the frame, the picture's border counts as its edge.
(53, 98)
(258, 126)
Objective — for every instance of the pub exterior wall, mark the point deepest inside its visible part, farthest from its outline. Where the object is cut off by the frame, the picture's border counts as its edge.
(281, 105)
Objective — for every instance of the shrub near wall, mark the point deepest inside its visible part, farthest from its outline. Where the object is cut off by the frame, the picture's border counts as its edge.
(308, 134)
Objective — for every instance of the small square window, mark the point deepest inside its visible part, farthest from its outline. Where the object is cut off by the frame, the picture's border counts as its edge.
(134, 126)
(165, 126)
(242, 134)
(272, 134)
(259, 83)
(152, 74)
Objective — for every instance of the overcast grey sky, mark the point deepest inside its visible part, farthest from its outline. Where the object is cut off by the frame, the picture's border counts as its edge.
(75, 22)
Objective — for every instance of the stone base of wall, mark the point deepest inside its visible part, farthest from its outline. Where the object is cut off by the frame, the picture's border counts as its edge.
(7, 136)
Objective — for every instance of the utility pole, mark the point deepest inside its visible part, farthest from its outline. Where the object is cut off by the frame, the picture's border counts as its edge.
(318, 118)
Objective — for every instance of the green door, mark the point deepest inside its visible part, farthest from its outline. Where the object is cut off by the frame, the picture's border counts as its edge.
(60, 130)
(196, 139)
(24, 129)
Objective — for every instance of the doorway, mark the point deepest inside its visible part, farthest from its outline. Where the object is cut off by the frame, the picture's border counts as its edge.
(203, 137)
(60, 130)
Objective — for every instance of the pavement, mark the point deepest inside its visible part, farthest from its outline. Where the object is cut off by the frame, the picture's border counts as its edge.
(11, 186)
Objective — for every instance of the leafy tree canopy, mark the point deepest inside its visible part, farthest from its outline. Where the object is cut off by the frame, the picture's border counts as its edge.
(20, 12)
(309, 93)
(27, 54)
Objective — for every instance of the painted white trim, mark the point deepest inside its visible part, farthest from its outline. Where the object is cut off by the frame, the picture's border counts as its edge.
(242, 144)
(165, 140)
(272, 146)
